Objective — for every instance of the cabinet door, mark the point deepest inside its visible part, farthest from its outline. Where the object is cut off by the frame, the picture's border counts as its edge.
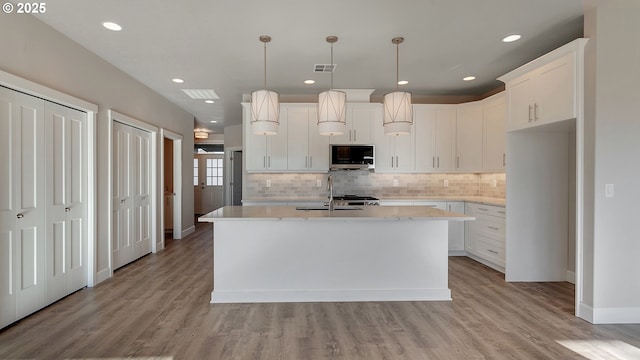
(469, 137)
(494, 135)
(445, 140)
(424, 119)
(255, 146)
(385, 151)
(318, 144)
(404, 146)
(521, 102)
(363, 119)
(555, 97)
(297, 137)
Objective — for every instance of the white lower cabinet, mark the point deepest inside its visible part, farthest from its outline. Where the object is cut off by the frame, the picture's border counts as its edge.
(485, 237)
(456, 229)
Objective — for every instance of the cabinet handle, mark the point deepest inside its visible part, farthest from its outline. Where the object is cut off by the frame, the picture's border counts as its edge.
(269, 161)
(397, 162)
(306, 162)
(483, 209)
(502, 212)
(349, 135)
(310, 161)
(457, 162)
(392, 161)
(535, 112)
(504, 159)
(438, 162)
(20, 216)
(264, 161)
(433, 165)
(492, 251)
(493, 228)
(355, 135)
(530, 109)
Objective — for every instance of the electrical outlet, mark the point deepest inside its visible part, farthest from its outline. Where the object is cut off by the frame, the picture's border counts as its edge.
(608, 190)
(446, 183)
(494, 183)
(318, 183)
(268, 183)
(395, 182)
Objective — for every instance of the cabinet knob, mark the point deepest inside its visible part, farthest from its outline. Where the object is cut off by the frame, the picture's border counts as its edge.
(20, 216)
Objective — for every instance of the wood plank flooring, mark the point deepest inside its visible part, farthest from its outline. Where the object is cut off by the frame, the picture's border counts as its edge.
(158, 307)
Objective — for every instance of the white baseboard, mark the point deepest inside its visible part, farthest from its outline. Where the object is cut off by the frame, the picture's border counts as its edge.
(485, 262)
(457, 253)
(188, 231)
(629, 315)
(103, 275)
(585, 312)
(571, 277)
(221, 297)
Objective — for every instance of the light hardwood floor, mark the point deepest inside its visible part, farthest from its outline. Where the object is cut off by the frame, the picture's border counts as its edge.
(158, 307)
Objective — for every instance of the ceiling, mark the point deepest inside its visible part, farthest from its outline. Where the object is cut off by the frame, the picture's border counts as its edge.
(213, 44)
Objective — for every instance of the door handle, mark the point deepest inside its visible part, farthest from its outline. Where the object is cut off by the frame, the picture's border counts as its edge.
(67, 209)
(122, 201)
(20, 216)
(530, 117)
(535, 112)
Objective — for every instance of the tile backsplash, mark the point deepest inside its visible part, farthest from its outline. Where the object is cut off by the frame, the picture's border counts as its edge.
(374, 184)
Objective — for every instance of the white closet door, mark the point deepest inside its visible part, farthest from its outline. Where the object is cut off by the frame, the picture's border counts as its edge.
(22, 204)
(122, 246)
(141, 193)
(66, 200)
(131, 194)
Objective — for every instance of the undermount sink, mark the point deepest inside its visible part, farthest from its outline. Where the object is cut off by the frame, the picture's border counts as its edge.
(341, 207)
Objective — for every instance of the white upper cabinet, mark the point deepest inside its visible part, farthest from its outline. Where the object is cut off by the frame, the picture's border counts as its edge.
(361, 120)
(435, 128)
(265, 152)
(307, 149)
(395, 153)
(469, 136)
(494, 133)
(544, 90)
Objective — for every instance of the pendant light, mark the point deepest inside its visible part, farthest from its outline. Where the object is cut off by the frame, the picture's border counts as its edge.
(398, 112)
(265, 104)
(332, 105)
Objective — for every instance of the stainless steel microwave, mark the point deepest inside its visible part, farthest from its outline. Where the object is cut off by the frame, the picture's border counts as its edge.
(352, 157)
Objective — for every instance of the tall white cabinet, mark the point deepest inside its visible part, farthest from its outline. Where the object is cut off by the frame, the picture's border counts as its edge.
(43, 203)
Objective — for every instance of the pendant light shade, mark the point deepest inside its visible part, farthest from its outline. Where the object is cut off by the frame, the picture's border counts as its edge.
(332, 105)
(398, 111)
(265, 104)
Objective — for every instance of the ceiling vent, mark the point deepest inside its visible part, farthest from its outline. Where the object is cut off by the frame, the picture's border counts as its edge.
(201, 94)
(324, 68)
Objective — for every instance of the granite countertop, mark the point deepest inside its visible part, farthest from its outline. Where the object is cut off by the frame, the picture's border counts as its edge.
(366, 213)
(475, 199)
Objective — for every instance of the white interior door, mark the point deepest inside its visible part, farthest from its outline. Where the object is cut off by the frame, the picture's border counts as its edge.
(22, 205)
(131, 194)
(66, 200)
(209, 190)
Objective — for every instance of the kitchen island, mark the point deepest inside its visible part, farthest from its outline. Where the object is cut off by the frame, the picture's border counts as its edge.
(375, 253)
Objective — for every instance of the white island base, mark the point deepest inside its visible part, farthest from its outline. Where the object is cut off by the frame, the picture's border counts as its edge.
(336, 258)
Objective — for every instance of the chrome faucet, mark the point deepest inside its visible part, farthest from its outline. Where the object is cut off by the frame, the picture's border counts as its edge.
(330, 189)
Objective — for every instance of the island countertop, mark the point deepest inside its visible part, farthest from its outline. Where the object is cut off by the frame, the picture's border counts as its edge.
(377, 213)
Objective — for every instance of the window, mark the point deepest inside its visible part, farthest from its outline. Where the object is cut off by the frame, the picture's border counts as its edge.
(195, 172)
(214, 172)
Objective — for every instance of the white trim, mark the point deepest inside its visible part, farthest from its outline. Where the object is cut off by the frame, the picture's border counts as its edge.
(188, 231)
(571, 277)
(485, 262)
(43, 92)
(629, 315)
(103, 274)
(221, 297)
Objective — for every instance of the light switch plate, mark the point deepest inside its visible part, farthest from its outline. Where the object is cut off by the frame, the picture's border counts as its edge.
(268, 183)
(395, 182)
(446, 182)
(318, 183)
(608, 190)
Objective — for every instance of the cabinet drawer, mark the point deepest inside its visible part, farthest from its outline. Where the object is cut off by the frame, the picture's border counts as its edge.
(488, 250)
(491, 229)
(477, 209)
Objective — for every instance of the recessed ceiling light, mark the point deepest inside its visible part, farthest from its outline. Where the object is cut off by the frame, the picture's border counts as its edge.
(209, 101)
(213, 121)
(177, 81)
(403, 82)
(111, 26)
(469, 78)
(511, 38)
(309, 82)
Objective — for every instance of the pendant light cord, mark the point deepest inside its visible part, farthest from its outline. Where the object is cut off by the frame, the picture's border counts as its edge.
(397, 66)
(332, 68)
(265, 65)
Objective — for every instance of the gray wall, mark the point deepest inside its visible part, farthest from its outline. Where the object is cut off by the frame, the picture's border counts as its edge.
(612, 95)
(34, 51)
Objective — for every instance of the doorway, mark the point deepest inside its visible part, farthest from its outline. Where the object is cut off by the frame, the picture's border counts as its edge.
(208, 182)
(171, 184)
(234, 185)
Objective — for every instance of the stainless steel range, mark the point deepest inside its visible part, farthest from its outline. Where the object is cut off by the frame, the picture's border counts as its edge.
(355, 200)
